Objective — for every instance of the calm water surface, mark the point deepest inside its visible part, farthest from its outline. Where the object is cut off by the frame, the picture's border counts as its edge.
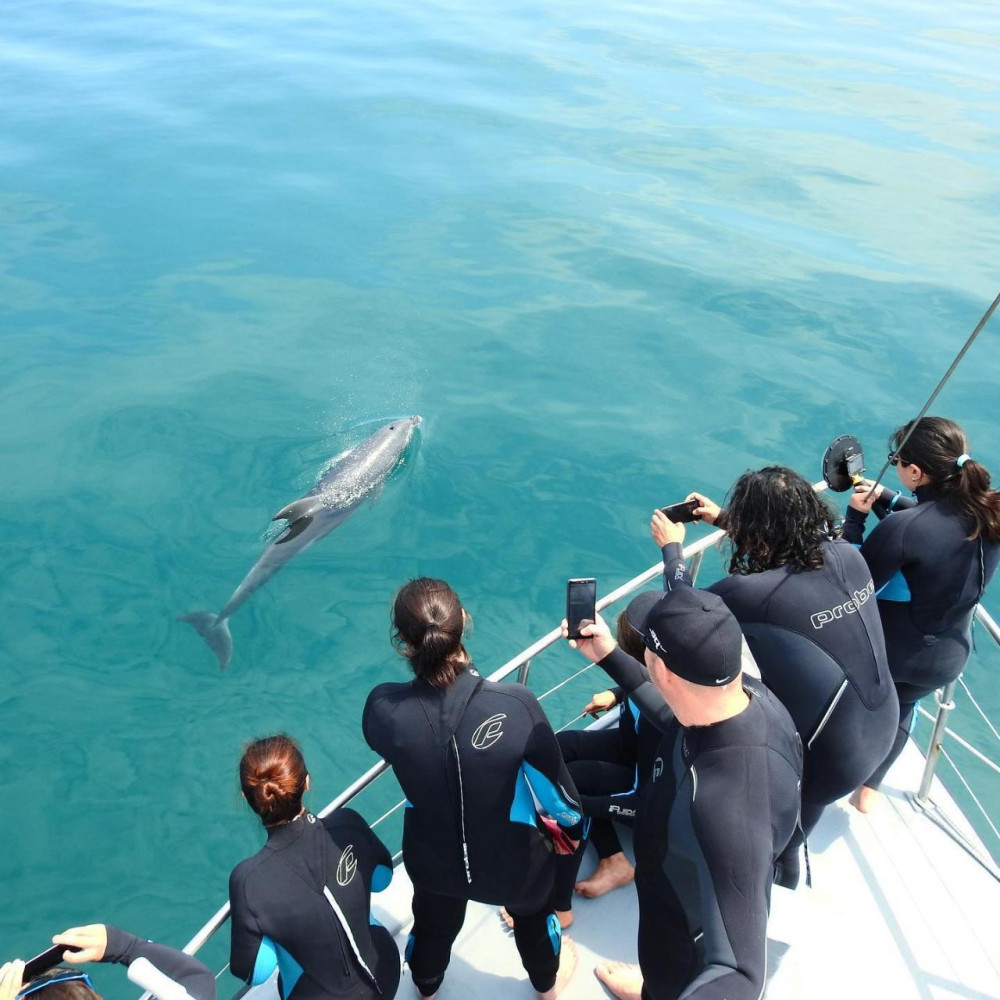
(610, 253)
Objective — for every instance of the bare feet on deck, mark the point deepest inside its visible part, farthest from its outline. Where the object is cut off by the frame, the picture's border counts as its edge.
(567, 966)
(624, 980)
(612, 873)
(565, 918)
(864, 799)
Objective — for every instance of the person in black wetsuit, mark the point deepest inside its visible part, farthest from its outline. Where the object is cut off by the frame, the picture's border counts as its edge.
(804, 602)
(720, 806)
(303, 902)
(104, 943)
(608, 767)
(472, 757)
(931, 558)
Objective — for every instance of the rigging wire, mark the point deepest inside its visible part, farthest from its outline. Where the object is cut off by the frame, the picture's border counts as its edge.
(947, 375)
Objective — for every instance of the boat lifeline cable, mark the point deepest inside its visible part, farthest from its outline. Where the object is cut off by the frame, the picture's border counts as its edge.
(947, 375)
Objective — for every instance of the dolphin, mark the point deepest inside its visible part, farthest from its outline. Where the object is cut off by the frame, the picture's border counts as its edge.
(355, 475)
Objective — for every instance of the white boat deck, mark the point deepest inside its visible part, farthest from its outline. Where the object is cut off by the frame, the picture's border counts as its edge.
(897, 911)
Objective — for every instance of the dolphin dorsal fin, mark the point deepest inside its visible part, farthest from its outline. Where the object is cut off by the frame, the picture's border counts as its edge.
(303, 507)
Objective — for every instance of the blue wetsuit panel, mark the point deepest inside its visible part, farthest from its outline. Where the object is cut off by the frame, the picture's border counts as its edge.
(522, 809)
(551, 797)
(897, 589)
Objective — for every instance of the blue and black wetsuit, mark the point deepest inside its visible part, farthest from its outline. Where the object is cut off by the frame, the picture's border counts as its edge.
(608, 767)
(303, 902)
(185, 970)
(928, 579)
(817, 638)
(472, 759)
(720, 806)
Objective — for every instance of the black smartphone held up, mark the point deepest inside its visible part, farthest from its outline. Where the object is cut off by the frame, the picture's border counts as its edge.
(581, 604)
(48, 959)
(682, 513)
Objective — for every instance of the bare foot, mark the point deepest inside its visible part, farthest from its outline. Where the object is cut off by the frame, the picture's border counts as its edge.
(624, 980)
(611, 873)
(565, 918)
(567, 966)
(864, 799)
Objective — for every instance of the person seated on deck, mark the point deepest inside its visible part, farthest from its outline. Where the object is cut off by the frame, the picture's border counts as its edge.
(104, 943)
(609, 767)
(931, 561)
(473, 757)
(721, 804)
(803, 599)
(303, 902)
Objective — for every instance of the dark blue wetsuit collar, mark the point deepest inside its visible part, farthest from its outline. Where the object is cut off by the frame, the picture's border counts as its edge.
(931, 491)
(744, 729)
(280, 837)
(444, 709)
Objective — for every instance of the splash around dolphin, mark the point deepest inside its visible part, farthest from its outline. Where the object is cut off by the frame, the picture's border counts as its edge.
(354, 477)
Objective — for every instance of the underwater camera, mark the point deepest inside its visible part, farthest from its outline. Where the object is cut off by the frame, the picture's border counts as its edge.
(844, 463)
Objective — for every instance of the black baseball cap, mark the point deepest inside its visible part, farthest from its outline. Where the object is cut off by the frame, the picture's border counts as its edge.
(692, 631)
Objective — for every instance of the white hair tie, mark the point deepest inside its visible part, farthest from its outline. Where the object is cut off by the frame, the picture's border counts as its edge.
(962, 459)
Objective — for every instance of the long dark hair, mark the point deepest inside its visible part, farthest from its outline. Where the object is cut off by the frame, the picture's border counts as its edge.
(273, 778)
(428, 623)
(934, 447)
(774, 518)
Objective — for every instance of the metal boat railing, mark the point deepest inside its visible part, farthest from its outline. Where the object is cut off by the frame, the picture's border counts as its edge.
(521, 666)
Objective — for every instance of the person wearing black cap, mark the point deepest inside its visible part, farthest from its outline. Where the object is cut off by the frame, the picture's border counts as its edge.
(721, 805)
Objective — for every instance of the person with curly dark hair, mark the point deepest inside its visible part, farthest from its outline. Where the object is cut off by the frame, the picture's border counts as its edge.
(931, 557)
(804, 601)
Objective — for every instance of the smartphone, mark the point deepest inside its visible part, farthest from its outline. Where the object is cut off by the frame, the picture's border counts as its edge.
(581, 604)
(682, 513)
(48, 959)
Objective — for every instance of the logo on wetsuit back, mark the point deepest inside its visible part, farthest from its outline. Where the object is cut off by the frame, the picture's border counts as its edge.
(657, 768)
(348, 866)
(488, 732)
(822, 618)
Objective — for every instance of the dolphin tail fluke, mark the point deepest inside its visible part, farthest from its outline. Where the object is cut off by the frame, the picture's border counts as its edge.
(215, 631)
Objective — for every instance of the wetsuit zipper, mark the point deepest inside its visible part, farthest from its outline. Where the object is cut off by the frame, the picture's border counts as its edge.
(461, 810)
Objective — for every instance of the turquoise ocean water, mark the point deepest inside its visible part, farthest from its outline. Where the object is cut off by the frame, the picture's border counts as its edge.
(609, 252)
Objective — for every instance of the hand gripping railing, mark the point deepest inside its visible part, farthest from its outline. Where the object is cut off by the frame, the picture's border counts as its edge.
(521, 664)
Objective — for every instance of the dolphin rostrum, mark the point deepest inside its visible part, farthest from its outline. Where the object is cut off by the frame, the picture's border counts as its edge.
(354, 477)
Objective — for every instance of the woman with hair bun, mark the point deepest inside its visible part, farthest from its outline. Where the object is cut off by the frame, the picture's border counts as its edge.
(302, 903)
(472, 758)
(804, 602)
(931, 561)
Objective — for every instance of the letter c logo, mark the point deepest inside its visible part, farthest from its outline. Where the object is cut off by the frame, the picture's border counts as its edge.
(348, 866)
(487, 733)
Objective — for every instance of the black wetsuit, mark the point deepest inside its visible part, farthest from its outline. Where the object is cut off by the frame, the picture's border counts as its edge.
(470, 758)
(720, 806)
(928, 579)
(124, 948)
(817, 638)
(609, 768)
(283, 911)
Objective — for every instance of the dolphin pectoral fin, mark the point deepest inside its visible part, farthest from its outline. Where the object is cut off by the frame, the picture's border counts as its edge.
(214, 632)
(293, 530)
(302, 507)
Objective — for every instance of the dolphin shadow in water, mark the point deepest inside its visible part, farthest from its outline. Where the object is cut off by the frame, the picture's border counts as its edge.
(353, 478)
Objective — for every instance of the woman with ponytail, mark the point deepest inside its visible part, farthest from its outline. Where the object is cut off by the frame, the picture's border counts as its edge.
(302, 903)
(473, 757)
(931, 557)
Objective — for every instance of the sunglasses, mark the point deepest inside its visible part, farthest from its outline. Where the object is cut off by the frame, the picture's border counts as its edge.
(894, 459)
(67, 977)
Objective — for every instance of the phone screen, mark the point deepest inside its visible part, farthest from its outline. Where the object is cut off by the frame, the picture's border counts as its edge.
(48, 959)
(683, 512)
(581, 604)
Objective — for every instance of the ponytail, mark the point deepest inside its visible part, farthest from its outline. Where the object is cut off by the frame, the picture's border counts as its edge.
(940, 449)
(428, 623)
